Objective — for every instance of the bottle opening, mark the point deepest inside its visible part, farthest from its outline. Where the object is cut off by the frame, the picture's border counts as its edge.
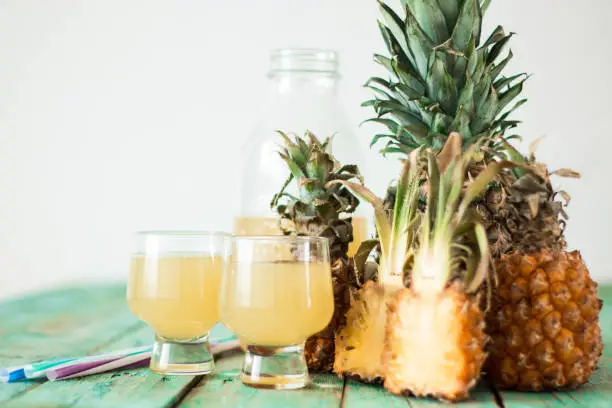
(304, 60)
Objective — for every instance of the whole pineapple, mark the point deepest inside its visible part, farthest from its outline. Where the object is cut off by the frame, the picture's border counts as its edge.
(544, 322)
(442, 78)
(320, 210)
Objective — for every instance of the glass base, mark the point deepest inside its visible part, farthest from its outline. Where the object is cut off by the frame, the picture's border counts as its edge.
(182, 358)
(279, 368)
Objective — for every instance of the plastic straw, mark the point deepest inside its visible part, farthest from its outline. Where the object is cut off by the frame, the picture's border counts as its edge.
(102, 366)
(39, 369)
(12, 374)
(80, 368)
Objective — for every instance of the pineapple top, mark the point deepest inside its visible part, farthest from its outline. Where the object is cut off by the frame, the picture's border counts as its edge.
(320, 208)
(522, 209)
(442, 78)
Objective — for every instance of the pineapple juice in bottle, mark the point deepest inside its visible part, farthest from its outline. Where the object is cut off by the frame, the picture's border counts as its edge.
(303, 94)
(254, 226)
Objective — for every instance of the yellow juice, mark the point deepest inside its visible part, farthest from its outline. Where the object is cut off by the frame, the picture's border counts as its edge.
(360, 234)
(253, 226)
(250, 226)
(177, 295)
(277, 304)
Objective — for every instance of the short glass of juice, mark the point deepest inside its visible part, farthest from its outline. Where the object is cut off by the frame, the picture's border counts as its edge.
(275, 293)
(174, 285)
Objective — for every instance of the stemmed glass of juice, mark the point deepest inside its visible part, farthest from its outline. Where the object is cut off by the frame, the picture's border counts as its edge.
(174, 286)
(276, 292)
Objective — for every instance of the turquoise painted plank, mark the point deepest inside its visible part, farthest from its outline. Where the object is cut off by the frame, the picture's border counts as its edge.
(62, 323)
(134, 388)
(605, 318)
(365, 395)
(359, 395)
(98, 320)
(225, 390)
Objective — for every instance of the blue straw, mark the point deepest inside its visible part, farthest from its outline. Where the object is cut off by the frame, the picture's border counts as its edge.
(12, 374)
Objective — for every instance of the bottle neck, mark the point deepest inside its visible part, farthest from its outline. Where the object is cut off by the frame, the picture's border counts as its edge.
(288, 84)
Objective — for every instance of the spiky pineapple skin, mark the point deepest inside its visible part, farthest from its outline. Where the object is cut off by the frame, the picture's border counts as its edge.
(435, 344)
(544, 322)
(359, 345)
(320, 349)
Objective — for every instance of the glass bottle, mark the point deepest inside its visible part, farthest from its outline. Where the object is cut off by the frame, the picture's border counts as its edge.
(303, 95)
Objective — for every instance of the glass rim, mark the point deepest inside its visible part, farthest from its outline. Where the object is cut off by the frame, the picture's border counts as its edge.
(280, 238)
(182, 233)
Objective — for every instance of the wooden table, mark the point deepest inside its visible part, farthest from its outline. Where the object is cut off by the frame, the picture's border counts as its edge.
(81, 321)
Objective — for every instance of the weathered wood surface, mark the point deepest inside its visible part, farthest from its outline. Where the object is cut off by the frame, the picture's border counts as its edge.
(90, 320)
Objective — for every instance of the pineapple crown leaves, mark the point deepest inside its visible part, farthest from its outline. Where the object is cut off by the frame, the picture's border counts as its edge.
(320, 208)
(395, 234)
(441, 78)
(536, 202)
(452, 241)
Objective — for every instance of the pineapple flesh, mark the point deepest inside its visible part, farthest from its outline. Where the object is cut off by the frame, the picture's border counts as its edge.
(359, 346)
(446, 362)
(324, 210)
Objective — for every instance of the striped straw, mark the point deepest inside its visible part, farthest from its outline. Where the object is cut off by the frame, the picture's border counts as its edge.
(79, 368)
(12, 374)
(39, 369)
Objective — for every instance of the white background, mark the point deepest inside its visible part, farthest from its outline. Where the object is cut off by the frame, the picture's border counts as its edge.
(121, 115)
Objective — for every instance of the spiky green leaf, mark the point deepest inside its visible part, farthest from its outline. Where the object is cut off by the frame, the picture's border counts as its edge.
(409, 77)
(430, 18)
(468, 25)
(450, 10)
(482, 269)
(466, 99)
(497, 49)
(515, 107)
(497, 35)
(441, 86)
(419, 43)
(395, 25)
(461, 125)
(442, 123)
(506, 81)
(361, 257)
(389, 123)
(508, 96)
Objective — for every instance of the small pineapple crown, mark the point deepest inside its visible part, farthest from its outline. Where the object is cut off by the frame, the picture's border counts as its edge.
(396, 231)
(537, 218)
(319, 207)
(453, 243)
(442, 79)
